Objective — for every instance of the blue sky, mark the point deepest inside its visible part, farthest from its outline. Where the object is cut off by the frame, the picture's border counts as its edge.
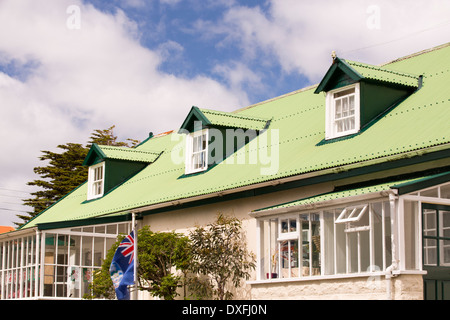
(68, 67)
(192, 51)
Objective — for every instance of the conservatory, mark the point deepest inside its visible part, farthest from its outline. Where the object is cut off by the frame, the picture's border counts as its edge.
(379, 231)
(54, 263)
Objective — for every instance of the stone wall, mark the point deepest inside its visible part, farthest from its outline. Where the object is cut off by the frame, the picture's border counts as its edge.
(404, 287)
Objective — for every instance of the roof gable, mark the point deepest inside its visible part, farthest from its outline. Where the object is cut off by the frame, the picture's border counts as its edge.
(343, 72)
(99, 153)
(212, 118)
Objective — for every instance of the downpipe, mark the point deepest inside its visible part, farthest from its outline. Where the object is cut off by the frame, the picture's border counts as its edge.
(388, 276)
(393, 197)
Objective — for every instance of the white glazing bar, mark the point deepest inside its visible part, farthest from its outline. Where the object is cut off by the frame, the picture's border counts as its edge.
(21, 268)
(358, 235)
(419, 255)
(299, 246)
(347, 254)
(371, 239)
(259, 240)
(401, 233)
(335, 244)
(36, 265)
(383, 234)
(16, 269)
(42, 262)
(310, 243)
(2, 271)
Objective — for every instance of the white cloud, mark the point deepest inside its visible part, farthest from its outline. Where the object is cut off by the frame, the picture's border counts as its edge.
(83, 79)
(302, 34)
(239, 76)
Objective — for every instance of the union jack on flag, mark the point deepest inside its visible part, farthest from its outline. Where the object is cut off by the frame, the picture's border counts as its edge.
(127, 246)
(122, 267)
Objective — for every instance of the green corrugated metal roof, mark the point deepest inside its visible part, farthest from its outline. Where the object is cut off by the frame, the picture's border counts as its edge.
(232, 120)
(129, 154)
(354, 192)
(381, 74)
(417, 124)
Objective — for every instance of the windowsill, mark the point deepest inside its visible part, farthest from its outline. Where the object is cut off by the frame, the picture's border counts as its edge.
(333, 277)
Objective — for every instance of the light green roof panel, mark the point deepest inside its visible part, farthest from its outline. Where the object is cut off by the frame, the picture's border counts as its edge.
(381, 74)
(231, 120)
(418, 125)
(354, 192)
(129, 154)
(215, 118)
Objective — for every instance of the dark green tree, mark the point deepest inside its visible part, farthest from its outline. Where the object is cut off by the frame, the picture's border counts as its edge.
(158, 253)
(64, 171)
(220, 254)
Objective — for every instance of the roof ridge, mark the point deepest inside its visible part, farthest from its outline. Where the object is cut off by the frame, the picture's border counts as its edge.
(380, 68)
(127, 149)
(419, 53)
(232, 114)
(308, 88)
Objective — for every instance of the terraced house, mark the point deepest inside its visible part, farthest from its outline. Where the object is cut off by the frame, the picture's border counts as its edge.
(343, 189)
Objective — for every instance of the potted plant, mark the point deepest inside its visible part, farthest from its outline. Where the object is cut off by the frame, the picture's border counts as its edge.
(273, 265)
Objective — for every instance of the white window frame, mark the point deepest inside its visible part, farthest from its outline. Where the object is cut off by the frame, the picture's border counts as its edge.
(353, 262)
(289, 234)
(92, 183)
(331, 131)
(356, 213)
(190, 154)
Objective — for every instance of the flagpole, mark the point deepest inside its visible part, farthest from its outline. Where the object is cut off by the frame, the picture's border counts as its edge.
(135, 255)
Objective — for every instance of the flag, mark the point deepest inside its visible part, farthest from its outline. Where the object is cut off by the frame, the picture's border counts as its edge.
(122, 267)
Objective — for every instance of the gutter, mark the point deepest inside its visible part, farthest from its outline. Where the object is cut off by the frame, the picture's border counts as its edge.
(271, 182)
(323, 204)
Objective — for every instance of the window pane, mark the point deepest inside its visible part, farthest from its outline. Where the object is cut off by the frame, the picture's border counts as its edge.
(284, 226)
(123, 228)
(328, 219)
(430, 252)
(444, 256)
(86, 254)
(305, 248)
(344, 93)
(49, 248)
(270, 260)
(339, 126)
(429, 223)
(196, 144)
(338, 112)
(433, 192)
(344, 107)
(351, 105)
(387, 232)
(100, 229)
(352, 252)
(445, 191)
(98, 251)
(74, 255)
(315, 244)
(444, 220)
(204, 141)
(62, 249)
(111, 229)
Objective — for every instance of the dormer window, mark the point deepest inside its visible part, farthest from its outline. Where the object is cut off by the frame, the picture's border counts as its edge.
(197, 151)
(110, 166)
(212, 136)
(342, 111)
(359, 94)
(96, 181)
